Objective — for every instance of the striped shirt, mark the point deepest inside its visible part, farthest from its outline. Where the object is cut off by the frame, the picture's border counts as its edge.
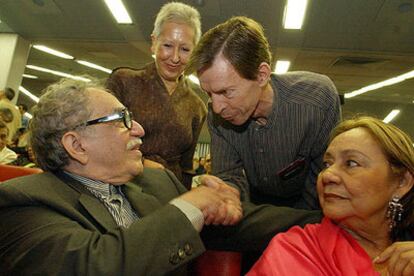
(112, 197)
(278, 162)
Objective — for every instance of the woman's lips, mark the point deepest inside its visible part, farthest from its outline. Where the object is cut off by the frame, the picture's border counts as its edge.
(333, 196)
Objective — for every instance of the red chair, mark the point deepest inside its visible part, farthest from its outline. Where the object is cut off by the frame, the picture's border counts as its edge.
(218, 263)
(8, 171)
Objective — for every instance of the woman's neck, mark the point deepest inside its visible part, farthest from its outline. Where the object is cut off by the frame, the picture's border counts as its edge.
(170, 85)
(373, 239)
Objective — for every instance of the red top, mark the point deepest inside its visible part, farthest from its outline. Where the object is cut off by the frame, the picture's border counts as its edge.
(318, 249)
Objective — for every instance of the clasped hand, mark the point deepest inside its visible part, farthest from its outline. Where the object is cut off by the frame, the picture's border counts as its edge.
(219, 202)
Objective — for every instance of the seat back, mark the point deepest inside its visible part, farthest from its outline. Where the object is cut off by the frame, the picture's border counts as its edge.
(218, 263)
(9, 171)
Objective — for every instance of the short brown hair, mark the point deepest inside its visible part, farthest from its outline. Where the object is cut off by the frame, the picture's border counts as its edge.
(399, 151)
(242, 42)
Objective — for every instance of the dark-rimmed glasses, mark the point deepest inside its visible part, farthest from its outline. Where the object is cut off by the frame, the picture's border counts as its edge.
(125, 115)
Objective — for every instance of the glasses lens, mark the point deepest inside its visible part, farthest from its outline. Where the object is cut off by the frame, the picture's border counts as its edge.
(128, 119)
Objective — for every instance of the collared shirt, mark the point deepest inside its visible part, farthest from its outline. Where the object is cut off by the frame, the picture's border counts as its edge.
(119, 207)
(278, 162)
(112, 197)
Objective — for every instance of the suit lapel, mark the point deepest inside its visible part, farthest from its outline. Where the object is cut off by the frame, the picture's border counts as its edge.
(142, 203)
(89, 202)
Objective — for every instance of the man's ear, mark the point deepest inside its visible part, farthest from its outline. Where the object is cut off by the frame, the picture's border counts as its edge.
(406, 183)
(264, 74)
(72, 142)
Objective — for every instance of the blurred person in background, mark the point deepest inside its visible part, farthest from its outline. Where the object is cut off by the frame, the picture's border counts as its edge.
(6, 97)
(162, 98)
(23, 109)
(6, 155)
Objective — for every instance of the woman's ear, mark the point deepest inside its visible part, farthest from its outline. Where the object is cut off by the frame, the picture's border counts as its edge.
(406, 183)
(72, 142)
(264, 73)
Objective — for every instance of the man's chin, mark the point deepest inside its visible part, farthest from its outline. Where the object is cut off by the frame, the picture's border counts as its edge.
(236, 121)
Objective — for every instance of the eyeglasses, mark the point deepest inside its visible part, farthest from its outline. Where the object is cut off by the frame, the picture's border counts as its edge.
(123, 115)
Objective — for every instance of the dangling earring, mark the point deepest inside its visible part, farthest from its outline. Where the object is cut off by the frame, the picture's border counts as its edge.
(395, 210)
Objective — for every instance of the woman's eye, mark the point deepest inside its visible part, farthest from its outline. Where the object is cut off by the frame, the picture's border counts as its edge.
(186, 49)
(351, 163)
(167, 45)
(326, 164)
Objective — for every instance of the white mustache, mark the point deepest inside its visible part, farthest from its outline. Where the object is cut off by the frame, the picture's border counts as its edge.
(135, 143)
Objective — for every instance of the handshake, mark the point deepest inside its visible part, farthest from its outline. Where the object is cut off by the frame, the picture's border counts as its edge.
(219, 202)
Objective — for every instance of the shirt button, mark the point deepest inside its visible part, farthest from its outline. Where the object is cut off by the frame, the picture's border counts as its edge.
(257, 129)
(188, 249)
(261, 150)
(181, 253)
(265, 178)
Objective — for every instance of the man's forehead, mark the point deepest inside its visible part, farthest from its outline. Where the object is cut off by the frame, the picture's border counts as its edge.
(103, 101)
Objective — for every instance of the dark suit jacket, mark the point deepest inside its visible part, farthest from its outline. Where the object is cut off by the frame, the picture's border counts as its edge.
(52, 225)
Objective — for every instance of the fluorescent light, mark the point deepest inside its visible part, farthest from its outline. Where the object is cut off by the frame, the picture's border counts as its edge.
(294, 14)
(194, 79)
(28, 94)
(94, 66)
(52, 51)
(118, 10)
(30, 76)
(381, 84)
(28, 115)
(57, 73)
(282, 66)
(391, 116)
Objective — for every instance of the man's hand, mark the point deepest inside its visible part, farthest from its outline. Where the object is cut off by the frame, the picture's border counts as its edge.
(218, 205)
(398, 258)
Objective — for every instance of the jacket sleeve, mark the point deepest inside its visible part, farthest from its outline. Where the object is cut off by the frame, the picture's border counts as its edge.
(259, 225)
(36, 239)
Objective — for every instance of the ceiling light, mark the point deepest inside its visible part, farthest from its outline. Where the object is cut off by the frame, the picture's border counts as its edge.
(27, 76)
(119, 11)
(57, 73)
(194, 79)
(391, 116)
(52, 51)
(294, 14)
(381, 84)
(282, 66)
(28, 94)
(94, 66)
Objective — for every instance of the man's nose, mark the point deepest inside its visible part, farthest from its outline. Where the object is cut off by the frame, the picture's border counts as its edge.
(218, 104)
(137, 129)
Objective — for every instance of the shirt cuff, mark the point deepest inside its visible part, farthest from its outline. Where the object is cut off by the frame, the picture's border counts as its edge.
(194, 215)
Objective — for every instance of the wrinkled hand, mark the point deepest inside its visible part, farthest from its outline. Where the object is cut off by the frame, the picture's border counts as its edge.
(231, 195)
(398, 258)
(215, 205)
(152, 164)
